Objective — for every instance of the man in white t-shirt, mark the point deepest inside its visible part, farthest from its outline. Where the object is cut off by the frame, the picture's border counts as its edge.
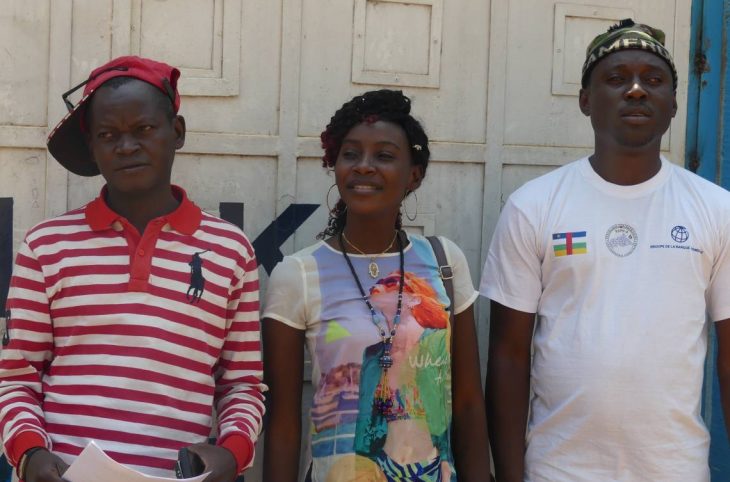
(623, 257)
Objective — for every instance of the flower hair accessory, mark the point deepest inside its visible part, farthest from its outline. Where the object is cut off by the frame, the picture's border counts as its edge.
(417, 147)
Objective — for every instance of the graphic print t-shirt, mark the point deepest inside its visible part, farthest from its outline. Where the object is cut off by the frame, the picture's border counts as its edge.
(314, 290)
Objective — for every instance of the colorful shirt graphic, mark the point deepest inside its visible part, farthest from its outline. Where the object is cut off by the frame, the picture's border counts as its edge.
(565, 244)
(350, 439)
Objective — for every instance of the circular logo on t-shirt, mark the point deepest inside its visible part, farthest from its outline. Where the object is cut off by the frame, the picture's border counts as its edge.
(621, 239)
(680, 234)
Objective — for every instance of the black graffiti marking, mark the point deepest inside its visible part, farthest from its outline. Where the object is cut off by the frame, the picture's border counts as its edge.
(270, 240)
(6, 248)
(232, 212)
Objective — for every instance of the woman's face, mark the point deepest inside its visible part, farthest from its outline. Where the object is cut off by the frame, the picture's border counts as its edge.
(374, 170)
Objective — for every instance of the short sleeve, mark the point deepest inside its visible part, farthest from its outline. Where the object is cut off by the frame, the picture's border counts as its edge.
(512, 274)
(718, 291)
(286, 294)
(464, 292)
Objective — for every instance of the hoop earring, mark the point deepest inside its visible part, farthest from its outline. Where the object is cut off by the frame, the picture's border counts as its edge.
(327, 199)
(405, 207)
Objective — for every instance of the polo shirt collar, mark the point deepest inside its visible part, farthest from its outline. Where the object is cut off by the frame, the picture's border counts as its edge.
(184, 219)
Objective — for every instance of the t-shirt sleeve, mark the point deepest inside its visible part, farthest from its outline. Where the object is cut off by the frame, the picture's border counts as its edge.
(464, 292)
(718, 291)
(286, 294)
(512, 274)
(23, 360)
(239, 390)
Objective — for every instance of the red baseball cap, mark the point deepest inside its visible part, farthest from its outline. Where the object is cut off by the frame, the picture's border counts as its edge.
(67, 142)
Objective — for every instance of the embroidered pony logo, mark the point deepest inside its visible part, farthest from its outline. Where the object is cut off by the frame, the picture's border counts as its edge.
(197, 282)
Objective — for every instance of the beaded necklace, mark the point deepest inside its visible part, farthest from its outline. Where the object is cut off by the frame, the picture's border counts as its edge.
(383, 402)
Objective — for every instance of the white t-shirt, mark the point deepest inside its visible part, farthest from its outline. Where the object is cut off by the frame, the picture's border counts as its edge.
(621, 278)
(313, 290)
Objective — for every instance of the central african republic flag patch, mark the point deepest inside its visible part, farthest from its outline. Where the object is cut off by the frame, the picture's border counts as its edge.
(565, 244)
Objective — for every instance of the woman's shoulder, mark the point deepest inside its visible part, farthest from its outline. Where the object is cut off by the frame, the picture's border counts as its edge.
(290, 286)
(308, 251)
(450, 247)
(292, 265)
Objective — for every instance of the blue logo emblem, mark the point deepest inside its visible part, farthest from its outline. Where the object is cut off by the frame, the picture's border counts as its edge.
(680, 234)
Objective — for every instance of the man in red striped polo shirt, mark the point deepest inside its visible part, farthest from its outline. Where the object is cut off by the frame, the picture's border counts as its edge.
(133, 318)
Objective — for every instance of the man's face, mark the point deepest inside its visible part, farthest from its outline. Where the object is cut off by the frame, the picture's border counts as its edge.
(132, 138)
(630, 99)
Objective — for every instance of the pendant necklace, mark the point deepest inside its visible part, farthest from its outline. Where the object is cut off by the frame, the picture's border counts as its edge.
(384, 399)
(373, 268)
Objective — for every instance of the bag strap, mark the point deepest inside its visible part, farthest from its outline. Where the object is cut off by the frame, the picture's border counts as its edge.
(445, 271)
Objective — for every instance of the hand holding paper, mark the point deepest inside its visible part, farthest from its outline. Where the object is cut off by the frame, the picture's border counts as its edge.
(44, 466)
(218, 460)
(93, 465)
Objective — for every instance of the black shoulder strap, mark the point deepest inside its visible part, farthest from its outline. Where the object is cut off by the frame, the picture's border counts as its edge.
(445, 271)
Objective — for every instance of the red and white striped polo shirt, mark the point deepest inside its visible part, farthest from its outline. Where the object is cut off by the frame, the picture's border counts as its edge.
(105, 343)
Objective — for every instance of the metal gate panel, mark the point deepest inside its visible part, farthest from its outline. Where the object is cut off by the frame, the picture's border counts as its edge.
(708, 154)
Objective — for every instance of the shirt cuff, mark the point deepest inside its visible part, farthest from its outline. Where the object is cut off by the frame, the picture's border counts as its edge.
(23, 442)
(241, 448)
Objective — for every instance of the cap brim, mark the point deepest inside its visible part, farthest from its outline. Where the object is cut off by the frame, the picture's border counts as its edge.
(67, 143)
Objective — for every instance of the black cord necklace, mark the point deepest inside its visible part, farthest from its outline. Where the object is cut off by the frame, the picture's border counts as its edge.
(383, 397)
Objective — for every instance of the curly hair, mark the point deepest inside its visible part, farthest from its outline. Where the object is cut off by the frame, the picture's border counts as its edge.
(375, 105)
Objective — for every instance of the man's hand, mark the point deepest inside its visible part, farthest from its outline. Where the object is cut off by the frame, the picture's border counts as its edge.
(508, 388)
(723, 367)
(44, 466)
(217, 460)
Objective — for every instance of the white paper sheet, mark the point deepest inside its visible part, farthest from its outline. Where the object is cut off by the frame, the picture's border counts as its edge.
(93, 465)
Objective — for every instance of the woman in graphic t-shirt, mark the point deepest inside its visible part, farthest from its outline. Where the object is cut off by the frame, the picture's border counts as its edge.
(397, 392)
